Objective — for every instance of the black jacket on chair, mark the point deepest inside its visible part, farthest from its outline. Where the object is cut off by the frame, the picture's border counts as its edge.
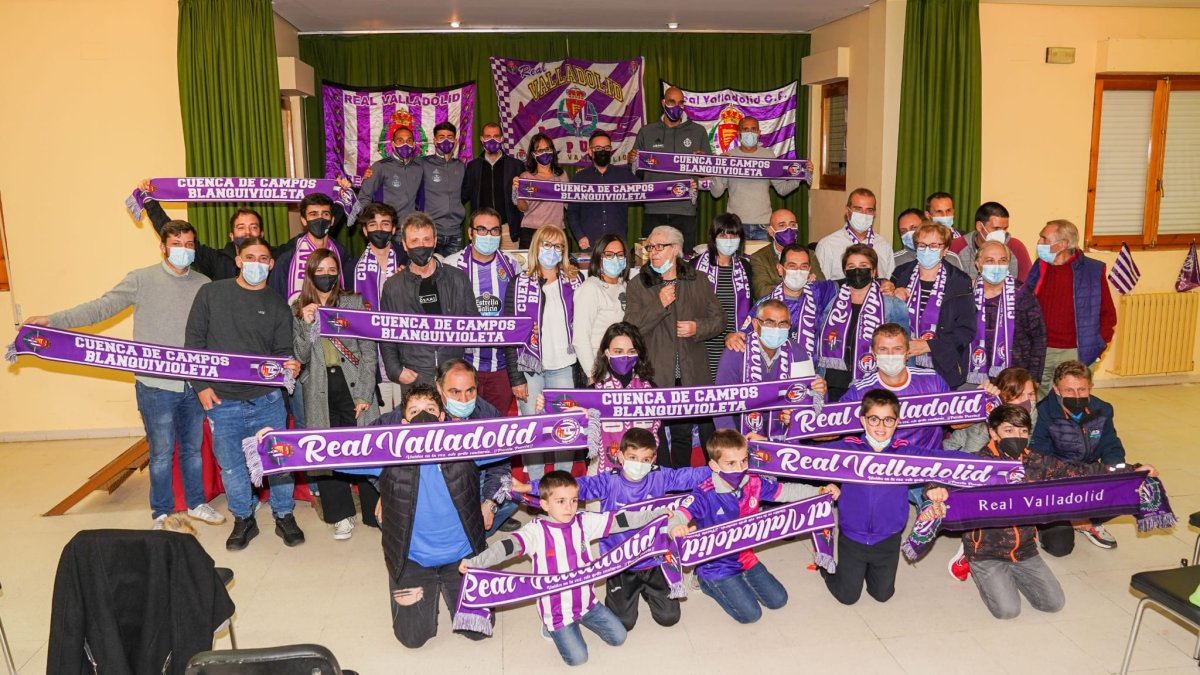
(133, 599)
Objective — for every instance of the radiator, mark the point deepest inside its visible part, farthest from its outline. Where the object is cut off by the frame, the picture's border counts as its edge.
(1156, 333)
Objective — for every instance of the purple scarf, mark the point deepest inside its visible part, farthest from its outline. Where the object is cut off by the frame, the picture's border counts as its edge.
(305, 248)
(981, 366)
(1100, 495)
(923, 410)
(645, 191)
(467, 263)
(837, 326)
(731, 166)
(804, 318)
(678, 402)
(275, 190)
(754, 370)
(706, 265)
(742, 534)
(923, 321)
(426, 328)
(65, 346)
(869, 241)
(368, 281)
(527, 303)
(825, 464)
(611, 431)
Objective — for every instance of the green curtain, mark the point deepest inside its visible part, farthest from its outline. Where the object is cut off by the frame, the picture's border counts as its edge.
(698, 61)
(229, 100)
(940, 138)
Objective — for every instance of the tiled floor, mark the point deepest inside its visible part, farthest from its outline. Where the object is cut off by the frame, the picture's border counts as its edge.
(334, 593)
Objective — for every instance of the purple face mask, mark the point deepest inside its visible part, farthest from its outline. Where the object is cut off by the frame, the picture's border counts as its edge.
(787, 237)
(734, 478)
(491, 146)
(405, 151)
(544, 158)
(673, 112)
(445, 146)
(623, 364)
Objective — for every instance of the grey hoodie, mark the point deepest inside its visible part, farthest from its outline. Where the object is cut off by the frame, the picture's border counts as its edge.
(443, 193)
(394, 183)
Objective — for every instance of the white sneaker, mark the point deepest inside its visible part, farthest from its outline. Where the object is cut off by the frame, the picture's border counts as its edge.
(343, 528)
(206, 513)
(158, 522)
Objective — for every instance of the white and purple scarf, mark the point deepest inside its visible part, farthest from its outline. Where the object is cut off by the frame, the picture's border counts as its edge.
(754, 370)
(304, 248)
(923, 321)
(741, 283)
(804, 318)
(983, 365)
(612, 430)
(837, 326)
(527, 302)
(869, 241)
(368, 281)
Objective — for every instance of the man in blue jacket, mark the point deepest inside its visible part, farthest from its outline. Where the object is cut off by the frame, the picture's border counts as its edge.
(1075, 426)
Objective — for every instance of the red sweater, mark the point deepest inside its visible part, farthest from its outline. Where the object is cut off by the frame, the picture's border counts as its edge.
(1056, 295)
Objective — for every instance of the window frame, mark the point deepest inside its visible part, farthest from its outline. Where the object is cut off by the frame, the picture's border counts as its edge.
(1162, 86)
(832, 181)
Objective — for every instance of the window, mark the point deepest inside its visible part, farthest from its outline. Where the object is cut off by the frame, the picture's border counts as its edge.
(834, 98)
(1145, 166)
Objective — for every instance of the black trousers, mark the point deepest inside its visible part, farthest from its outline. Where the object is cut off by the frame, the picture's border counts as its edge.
(337, 502)
(857, 563)
(527, 238)
(416, 620)
(685, 224)
(625, 589)
(678, 444)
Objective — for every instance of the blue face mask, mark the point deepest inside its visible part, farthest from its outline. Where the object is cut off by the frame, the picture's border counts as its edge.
(928, 257)
(1044, 253)
(728, 246)
(549, 257)
(180, 257)
(456, 408)
(948, 221)
(773, 338)
(907, 240)
(254, 273)
(748, 139)
(994, 274)
(613, 267)
(487, 244)
(664, 268)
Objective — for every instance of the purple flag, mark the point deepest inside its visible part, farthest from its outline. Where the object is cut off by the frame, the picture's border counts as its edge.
(1124, 274)
(470, 331)
(722, 165)
(676, 402)
(359, 123)
(653, 191)
(1189, 274)
(225, 189)
(568, 100)
(65, 346)
(826, 464)
(764, 527)
(720, 111)
(836, 419)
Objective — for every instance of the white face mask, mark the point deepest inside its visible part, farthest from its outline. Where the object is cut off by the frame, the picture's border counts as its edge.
(878, 445)
(890, 364)
(795, 280)
(635, 470)
(861, 222)
(997, 235)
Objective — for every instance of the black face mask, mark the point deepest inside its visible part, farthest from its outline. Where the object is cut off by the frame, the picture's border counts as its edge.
(602, 157)
(420, 255)
(423, 417)
(324, 282)
(379, 238)
(237, 242)
(1012, 447)
(1075, 404)
(318, 227)
(859, 277)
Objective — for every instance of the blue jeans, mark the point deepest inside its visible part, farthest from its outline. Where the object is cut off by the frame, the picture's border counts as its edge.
(295, 404)
(753, 231)
(562, 378)
(170, 417)
(233, 420)
(448, 244)
(741, 594)
(502, 514)
(601, 621)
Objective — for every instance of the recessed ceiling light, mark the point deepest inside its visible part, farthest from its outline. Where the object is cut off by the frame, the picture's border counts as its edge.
(455, 24)
(672, 25)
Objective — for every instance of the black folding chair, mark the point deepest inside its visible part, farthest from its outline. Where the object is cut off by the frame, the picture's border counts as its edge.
(1168, 590)
(284, 660)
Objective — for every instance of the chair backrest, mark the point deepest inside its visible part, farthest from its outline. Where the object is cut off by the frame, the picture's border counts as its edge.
(284, 660)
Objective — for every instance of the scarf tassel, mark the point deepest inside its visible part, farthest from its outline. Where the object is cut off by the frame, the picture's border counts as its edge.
(595, 439)
(1164, 521)
(502, 494)
(678, 591)
(253, 461)
(10, 354)
(473, 620)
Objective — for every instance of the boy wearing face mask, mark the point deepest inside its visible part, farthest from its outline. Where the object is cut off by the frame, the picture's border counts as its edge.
(636, 479)
(858, 229)
(750, 198)
(442, 179)
(1075, 426)
(590, 221)
(318, 212)
(396, 178)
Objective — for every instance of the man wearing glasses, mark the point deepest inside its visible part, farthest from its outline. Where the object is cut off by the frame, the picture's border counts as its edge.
(490, 270)
(590, 221)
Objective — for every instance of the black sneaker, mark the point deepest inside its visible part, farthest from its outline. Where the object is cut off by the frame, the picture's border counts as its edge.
(288, 530)
(244, 529)
(510, 525)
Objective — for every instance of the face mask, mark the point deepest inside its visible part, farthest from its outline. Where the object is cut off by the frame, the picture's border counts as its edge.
(928, 258)
(544, 158)
(445, 146)
(673, 112)
(549, 257)
(1012, 447)
(1076, 405)
(379, 238)
(254, 273)
(404, 152)
(734, 478)
(635, 470)
(459, 409)
(491, 146)
(785, 238)
(614, 267)
(487, 244)
(994, 274)
(237, 242)
(423, 417)
(773, 338)
(602, 157)
(795, 280)
(748, 139)
(859, 277)
(907, 240)
(948, 221)
(664, 268)
(997, 235)
(180, 257)
(623, 364)
(878, 445)
(420, 255)
(890, 364)
(324, 282)
(1044, 253)
(317, 227)
(728, 246)
(861, 222)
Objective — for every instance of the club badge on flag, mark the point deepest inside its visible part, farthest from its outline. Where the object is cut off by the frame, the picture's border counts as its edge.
(719, 112)
(1189, 274)
(1124, 274)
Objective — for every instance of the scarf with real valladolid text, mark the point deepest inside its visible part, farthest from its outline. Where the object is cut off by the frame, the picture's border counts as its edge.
(527, 302)
(836, 331)
(983, 365)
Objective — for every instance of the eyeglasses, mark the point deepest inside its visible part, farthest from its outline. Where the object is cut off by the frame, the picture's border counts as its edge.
(494, 231)
(771, 323)
(598, 148)
(655, 248)
(547, 246)
(609, 255)
(930, 247)
(875, 420)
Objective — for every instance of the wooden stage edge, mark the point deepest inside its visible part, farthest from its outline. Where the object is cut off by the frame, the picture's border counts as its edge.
(108, 478)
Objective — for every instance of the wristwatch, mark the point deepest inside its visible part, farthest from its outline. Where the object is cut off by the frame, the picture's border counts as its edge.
(491, 504)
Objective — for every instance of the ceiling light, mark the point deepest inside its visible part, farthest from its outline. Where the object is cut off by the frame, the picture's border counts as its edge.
(672, 25)
(455, 24)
